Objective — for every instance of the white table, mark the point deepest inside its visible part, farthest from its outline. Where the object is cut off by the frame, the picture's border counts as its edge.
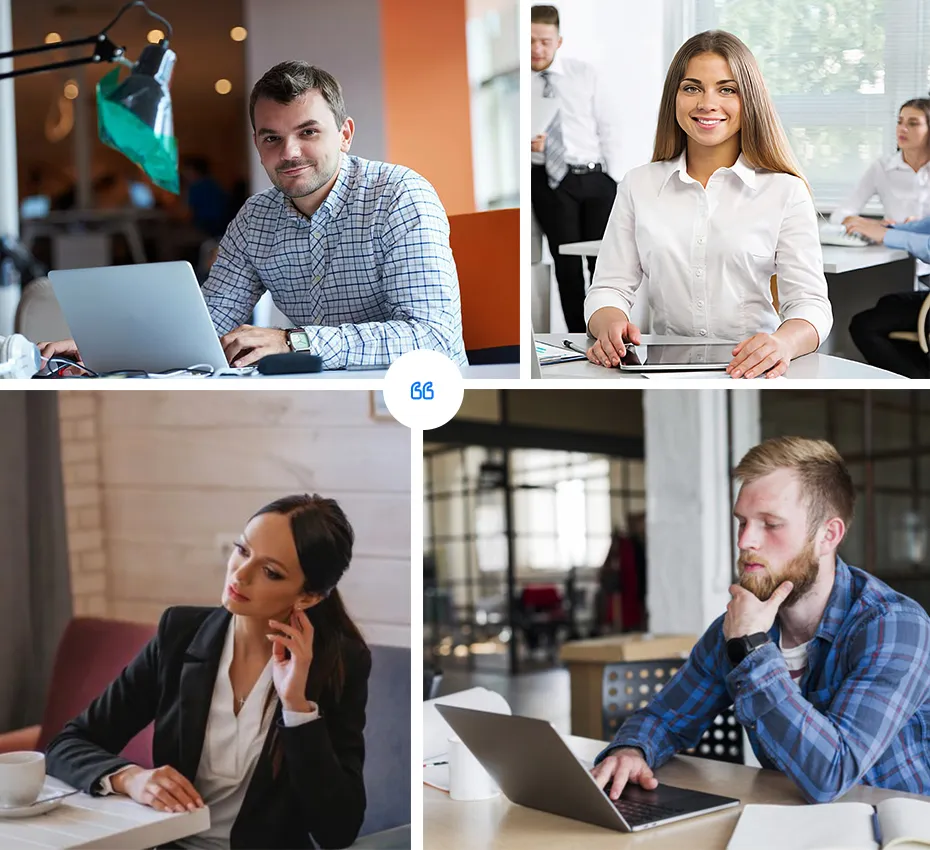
(503, 825)
(856, 279)
(821, 366)
(82, 822)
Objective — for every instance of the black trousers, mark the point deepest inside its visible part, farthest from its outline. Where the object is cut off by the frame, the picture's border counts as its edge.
(870, 330)
(575, 211)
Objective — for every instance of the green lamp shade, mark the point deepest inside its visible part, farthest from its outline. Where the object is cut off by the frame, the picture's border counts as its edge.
(135, 118)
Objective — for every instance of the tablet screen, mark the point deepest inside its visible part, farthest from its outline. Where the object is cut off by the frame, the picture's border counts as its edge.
(704, 356)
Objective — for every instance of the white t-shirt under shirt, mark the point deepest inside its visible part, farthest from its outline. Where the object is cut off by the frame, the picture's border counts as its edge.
(708, 255)
(795, 659)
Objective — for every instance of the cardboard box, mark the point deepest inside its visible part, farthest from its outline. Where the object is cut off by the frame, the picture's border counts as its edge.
(585, 660)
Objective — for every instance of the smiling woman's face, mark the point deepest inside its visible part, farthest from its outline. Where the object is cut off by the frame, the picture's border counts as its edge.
(708, 106)
(263, 576)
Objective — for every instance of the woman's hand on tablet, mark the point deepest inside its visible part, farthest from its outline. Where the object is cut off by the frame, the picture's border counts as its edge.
(613, 329)
(760, 353)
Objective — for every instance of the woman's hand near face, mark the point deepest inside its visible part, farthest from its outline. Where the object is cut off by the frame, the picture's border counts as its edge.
(290, 674)
(163, 788)
(613, 329)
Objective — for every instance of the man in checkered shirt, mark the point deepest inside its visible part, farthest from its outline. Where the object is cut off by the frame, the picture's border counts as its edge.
(354, 252)
(827, 667)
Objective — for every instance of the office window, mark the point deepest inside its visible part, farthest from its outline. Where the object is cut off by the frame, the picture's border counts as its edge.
(838, 70)
(494, 77)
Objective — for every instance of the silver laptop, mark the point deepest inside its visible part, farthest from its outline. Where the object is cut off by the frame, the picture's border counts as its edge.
(149, 317)
(535, 768)
(677, 357)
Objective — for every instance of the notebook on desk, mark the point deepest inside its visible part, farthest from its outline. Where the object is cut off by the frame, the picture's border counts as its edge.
(900, 823)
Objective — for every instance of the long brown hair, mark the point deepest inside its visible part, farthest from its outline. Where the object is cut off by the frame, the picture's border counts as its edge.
(762, 138)
(323, 538)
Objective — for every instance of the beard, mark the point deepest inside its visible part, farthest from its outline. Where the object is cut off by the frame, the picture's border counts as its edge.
(317, 175)
(801, 571)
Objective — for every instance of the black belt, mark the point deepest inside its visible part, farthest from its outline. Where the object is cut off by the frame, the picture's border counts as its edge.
(587, 168)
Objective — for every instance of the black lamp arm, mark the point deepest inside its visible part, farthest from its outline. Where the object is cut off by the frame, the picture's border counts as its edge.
(104, 51)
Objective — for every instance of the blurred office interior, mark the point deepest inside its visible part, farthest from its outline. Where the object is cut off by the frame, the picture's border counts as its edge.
(560, 527)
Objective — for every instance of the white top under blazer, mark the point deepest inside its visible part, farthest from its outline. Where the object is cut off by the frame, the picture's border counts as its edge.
(708, 255)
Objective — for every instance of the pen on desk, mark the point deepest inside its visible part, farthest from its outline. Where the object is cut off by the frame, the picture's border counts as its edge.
(567, 343)
(434, 763)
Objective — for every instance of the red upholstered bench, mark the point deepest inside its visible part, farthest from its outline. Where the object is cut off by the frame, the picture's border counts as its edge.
(91, 654)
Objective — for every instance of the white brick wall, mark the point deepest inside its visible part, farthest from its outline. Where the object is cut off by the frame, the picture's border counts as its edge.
(80, 461)
(157, 480)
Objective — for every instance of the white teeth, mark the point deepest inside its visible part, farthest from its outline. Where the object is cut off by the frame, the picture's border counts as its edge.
(709, 122)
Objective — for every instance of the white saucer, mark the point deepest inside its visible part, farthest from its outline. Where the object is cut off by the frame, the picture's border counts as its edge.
(39, 807)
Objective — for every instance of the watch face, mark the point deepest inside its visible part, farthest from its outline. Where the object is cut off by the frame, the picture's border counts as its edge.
(299, 340)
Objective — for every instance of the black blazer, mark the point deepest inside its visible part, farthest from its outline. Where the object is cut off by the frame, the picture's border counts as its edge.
(319, 792)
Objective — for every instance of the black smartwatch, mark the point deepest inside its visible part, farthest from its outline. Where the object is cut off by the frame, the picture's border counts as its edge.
(739, 647)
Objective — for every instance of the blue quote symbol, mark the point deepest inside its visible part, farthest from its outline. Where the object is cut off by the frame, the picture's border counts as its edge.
(420, 391)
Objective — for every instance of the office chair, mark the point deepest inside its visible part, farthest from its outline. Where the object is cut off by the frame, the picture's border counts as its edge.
(920, 335)
(629, 686)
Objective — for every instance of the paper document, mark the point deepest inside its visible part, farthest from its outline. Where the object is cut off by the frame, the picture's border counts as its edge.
(542, 112)
(436, 732)
(549, 353)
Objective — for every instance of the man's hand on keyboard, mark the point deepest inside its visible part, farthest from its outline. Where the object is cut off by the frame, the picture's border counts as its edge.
(621, 766)
(246, 345)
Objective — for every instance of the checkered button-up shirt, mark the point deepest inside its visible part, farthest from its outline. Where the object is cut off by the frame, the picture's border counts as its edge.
(370, 275)
(859, 714)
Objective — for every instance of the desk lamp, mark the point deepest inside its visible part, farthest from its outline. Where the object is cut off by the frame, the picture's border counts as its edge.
(133, 117)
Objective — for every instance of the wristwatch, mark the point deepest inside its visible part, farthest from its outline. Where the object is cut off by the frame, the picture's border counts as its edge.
(739, 647)
(297, 339)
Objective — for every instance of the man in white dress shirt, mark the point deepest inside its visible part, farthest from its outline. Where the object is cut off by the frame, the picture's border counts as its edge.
(573, 187)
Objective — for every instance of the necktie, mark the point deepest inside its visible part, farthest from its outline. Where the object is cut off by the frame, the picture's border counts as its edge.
(556, 167)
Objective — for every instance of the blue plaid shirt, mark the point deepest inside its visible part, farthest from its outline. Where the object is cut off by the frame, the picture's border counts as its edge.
(370, 275)
(859, 714)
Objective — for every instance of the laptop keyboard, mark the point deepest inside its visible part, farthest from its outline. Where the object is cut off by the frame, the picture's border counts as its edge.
(636, 813)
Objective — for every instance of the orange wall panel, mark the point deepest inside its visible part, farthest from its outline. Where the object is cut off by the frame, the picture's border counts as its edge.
(426, 95)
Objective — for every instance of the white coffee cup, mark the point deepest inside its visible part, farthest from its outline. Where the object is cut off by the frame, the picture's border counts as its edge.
(468, 780)
(22, 775)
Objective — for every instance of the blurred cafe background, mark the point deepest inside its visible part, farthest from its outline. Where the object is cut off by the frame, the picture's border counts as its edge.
(569, 533)
(432, 86)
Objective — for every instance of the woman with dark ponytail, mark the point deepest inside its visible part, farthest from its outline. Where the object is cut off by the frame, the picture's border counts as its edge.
(259, 705)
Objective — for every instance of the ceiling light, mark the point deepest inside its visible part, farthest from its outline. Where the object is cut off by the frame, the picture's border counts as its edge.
(155, 36)
(71, 89)
(223, 87)
(238, 33)
(52, 38)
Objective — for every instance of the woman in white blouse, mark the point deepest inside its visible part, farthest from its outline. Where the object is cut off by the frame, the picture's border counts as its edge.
(258, 706)
(719, 210)
(902, 179)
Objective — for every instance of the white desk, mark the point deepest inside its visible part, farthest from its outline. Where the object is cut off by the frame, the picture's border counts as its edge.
(82, 822)
(821, 366)
(836, 259)
(839, 260)
(503, 825)
(872, 272)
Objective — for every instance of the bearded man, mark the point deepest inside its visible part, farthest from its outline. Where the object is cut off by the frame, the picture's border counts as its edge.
(825, 665)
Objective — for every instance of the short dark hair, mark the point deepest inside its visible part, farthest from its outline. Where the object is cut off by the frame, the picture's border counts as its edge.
(545, 15)
(287, 81)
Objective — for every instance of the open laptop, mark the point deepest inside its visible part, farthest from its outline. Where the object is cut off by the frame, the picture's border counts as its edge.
(149, 317)
(677, 357)
(535, 768)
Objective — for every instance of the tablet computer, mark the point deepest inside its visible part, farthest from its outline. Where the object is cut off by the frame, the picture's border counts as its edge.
(677, 358)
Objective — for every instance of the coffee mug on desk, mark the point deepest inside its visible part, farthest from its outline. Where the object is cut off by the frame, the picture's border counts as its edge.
(468, 780)
(22, 775)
